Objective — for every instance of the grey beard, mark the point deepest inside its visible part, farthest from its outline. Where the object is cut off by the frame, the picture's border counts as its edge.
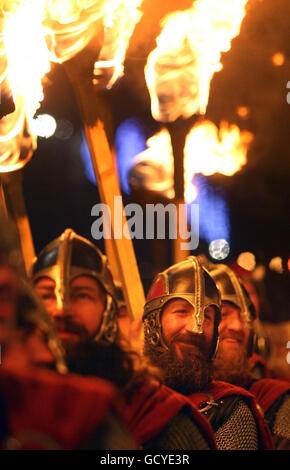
(184, 376)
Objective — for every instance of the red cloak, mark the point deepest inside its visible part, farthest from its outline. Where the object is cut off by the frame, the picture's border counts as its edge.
(267, 391)
(151, 409)
(47, 411)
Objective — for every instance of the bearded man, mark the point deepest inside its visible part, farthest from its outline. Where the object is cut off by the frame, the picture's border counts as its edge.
(181, 320)
(237, 343)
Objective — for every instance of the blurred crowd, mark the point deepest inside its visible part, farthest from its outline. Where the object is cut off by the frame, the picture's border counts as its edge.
(193, 371)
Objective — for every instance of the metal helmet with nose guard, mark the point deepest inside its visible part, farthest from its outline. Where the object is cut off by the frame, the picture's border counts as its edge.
(69, 256)
(186, 280)
(232, 290)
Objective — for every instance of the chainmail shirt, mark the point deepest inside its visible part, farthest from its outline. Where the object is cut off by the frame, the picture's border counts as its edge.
(281, 425)
(239, 431)
(181, 433)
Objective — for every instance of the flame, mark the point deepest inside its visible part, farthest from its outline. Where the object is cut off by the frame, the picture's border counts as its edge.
(207, 150)
(210, 150)
(24, 63)
(28, 60)
(179, 71)
(17, 142)
(34, 33)
(70, 25)
(121, 18)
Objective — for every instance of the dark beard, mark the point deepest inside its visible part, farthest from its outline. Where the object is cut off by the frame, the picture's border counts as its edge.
(191, 374)
(233, 368)
(66, 324)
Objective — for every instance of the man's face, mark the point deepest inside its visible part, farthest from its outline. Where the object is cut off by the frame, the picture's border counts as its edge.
(178, 322)
(233, 333)
(82, 316)
(186, 365)
(8, 303)
(231, 359)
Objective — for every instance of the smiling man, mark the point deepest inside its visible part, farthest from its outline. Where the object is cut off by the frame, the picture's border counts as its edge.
(181, 320)
(237, 342)
(73, 279)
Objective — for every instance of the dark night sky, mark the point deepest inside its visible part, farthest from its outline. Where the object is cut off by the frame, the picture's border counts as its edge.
(58, 194)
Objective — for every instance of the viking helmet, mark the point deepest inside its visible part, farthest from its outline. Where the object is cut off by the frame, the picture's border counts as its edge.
(69, 256)
(186, 280)
(232, 290)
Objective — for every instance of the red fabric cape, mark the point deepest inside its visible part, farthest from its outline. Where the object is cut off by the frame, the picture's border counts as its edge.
(256, 359)
(218, 390)
(267, 391)
(45, 410)
(151, 409)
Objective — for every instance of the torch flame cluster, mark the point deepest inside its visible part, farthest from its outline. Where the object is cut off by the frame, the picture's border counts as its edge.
(178, 75)
(35, 33)
(208, 150)
(179, 70)
(120, 21)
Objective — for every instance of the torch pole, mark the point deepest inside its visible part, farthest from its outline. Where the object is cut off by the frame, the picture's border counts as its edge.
(178, 132)
(120, 248)
(12, 205)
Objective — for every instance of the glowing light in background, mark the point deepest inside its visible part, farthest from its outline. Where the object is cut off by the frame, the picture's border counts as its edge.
(276, 264)
(278, 59)
(288, 264)
(247, 261)
(214, 219)
(44, 125)
(243, 112)
(259, 273)
(219, 249)
(87, 161)
(130, 140)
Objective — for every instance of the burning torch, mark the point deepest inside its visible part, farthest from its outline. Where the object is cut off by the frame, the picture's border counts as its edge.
(178, 75)
(76, 34)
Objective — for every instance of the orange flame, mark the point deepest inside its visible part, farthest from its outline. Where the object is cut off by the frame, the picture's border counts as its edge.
(25, 62)
(179, 71)
(207, 150)
(121, 18)
(34, 33)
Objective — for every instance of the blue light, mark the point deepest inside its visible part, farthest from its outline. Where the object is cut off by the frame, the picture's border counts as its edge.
(86, 158)
(214, 220)
(129, 141)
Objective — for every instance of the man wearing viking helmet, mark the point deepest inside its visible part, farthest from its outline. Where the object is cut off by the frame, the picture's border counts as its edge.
(181, 320)
(74, 280)
(237, 343)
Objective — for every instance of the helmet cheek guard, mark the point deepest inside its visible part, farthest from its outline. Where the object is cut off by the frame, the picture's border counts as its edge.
(186, 280)
(70, 256)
